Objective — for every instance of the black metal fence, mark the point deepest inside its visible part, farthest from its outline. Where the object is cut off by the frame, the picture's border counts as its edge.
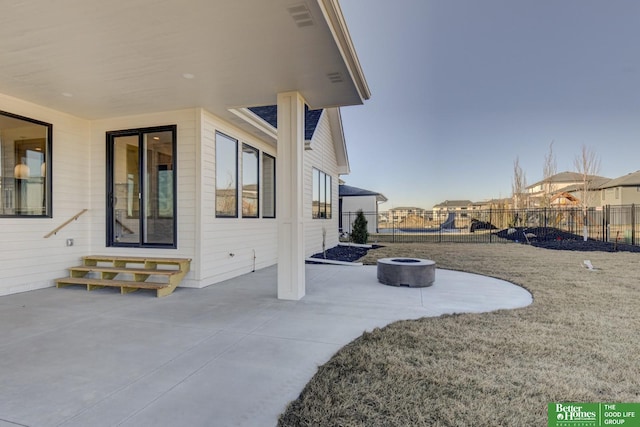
(607, 223)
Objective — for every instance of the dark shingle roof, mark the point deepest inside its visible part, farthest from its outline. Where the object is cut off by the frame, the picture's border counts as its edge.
(270, 115)
(349, 191)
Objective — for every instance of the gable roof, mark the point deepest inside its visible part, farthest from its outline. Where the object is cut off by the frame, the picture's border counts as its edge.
(269, 114)
(568, 177)
(629, 180)
(594, 184)
(349, 191)
(453, 203)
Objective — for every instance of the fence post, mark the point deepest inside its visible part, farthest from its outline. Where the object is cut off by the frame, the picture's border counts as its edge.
(393, 229)
(490, 224)
(633, 223)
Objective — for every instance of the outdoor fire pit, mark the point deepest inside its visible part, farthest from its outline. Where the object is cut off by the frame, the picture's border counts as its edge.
(412, 272)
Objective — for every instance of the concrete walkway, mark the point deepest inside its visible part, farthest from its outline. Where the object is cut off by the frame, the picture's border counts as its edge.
(228, 355)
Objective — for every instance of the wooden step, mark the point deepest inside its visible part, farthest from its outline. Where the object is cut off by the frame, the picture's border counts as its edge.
(121, 261)
(176, 270)
(127, 270)
(126, 286)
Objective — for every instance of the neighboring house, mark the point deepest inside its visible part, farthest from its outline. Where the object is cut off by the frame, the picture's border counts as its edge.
(154, 129)
(399, 214)
(504, 203)
(568, 182)
(441, 210)
(354, 199)
(624, 190)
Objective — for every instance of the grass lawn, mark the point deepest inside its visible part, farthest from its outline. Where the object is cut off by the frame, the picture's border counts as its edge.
(578, 342)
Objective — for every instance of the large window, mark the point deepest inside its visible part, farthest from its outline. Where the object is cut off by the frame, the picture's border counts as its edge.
(226, 176)
(321, 199)
(250, 184)
(141, 187)
(268, 186)
(25, 167)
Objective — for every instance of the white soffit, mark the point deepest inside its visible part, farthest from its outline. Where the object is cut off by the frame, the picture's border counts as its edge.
(97, 59)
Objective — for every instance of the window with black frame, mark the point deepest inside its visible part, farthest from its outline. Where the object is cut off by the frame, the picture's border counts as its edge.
(268, 186)
(250, 182)
(25, 167)
(226, 176)
(321, 197)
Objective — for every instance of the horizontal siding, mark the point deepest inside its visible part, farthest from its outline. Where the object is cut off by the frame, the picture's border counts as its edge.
(79, 182)
(28, 260)
(322, 156)
(221, 237)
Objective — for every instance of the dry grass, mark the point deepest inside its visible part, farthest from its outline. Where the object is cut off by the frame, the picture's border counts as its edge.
(579, 341)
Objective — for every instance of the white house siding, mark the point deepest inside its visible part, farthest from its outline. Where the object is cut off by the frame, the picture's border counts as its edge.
(322, 156)
(352, 204)
(228, 245)
(27, 260)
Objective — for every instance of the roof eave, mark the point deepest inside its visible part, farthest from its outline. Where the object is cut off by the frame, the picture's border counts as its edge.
(340, 144)
(338, 27)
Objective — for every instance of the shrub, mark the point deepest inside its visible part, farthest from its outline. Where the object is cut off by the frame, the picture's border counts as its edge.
(359, 233)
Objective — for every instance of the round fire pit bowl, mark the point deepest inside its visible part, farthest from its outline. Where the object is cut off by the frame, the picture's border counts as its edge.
(411, 272)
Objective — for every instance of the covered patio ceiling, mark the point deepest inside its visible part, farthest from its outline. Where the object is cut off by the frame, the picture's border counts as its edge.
(97, 59)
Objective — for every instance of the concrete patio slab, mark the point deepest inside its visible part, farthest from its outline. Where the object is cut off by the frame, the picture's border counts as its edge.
(229, 355)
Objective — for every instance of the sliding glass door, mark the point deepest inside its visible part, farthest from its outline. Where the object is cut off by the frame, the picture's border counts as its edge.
(141, 185)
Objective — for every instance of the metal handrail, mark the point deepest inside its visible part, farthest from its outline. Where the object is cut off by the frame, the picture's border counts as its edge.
(67, 222)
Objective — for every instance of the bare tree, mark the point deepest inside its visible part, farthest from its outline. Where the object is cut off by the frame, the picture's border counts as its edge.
(549, 169)
(518, 186)
(587, 164)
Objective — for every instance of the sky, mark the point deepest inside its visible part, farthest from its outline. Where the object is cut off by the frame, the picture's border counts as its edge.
(461, 88)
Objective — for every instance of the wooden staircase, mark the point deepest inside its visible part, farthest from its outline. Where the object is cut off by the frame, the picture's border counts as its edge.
(128, 273)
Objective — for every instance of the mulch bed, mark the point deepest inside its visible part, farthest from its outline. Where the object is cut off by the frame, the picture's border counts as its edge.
(553, 238)
(344, 253)
(541, 237)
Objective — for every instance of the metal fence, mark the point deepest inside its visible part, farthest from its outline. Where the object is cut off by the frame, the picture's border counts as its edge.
(608, 223)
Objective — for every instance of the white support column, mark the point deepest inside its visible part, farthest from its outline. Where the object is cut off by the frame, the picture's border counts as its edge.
(290, 196)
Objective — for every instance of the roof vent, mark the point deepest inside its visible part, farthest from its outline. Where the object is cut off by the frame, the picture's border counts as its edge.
(301, 15)
(335, 77)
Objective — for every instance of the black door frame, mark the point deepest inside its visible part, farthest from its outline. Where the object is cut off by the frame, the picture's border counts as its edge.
(139, 132)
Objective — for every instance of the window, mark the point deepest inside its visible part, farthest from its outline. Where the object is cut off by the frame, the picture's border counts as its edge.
(321, 198)
(25, 167)
(250, 184)
(268, 186)
(226, 176)
(141, 187)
